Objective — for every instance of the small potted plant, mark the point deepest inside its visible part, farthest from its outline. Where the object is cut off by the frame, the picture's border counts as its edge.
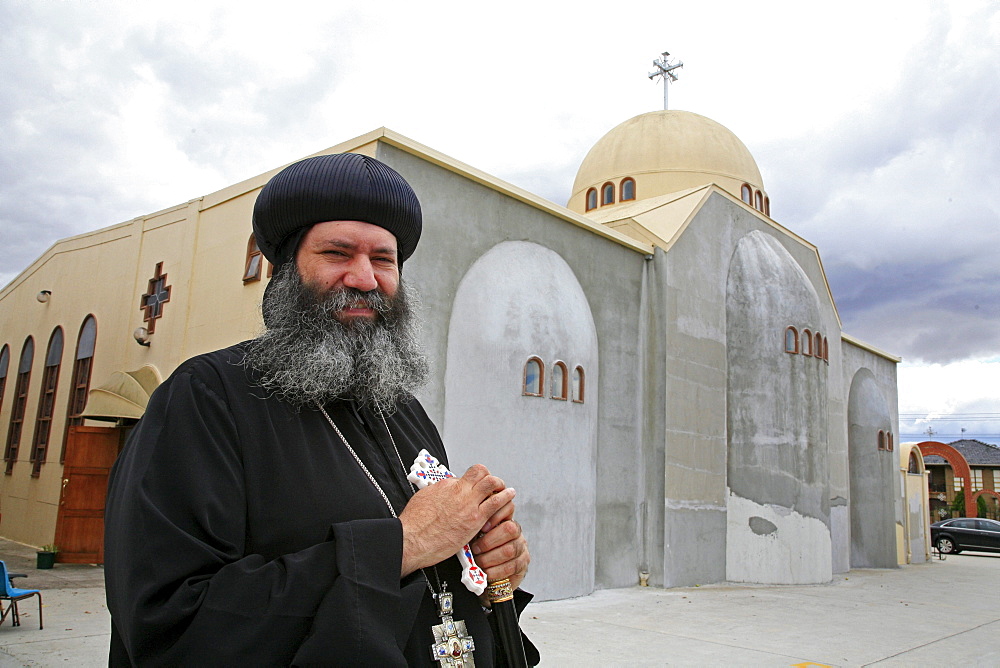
(47, 556)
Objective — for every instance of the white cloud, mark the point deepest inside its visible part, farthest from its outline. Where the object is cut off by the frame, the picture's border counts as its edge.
(878, 138)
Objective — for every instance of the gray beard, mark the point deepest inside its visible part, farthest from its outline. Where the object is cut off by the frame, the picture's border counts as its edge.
(307, 356)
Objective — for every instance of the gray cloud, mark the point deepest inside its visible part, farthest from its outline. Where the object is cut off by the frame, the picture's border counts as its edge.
(901, 200)
(93, 108)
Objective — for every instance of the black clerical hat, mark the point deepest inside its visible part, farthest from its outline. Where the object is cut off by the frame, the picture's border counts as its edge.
(343, 186)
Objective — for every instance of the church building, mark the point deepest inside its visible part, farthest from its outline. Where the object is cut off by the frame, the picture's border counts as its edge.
(657, 367)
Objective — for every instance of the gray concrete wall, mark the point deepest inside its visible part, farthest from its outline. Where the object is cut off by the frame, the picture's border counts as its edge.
(694, 283)
(875, 496)
(521, 300)
(462, 221)
(663, 371)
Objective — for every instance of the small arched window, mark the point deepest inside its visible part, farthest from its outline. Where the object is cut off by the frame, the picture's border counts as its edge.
(534, 377)
(914, 463)
(591, 199)
(759, 201)
(791, 340)
(83, 364)
(578, 384)
(628, 189)
(251, 270)
(807, 343)
(559, 385)
(46, 402)
(881, 440)
(4, 365)
(746, 194)
(826, 350)
(607, 194)
(818, 338)
(889, 441)
(20, 402)
(767, 205)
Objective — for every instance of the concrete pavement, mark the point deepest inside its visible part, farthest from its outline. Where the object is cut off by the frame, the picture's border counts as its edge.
(943, 613)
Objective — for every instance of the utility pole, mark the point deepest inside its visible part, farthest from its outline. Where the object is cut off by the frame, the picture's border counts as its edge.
(665, 69)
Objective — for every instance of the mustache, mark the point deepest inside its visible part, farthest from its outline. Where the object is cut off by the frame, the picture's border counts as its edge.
(339, 299)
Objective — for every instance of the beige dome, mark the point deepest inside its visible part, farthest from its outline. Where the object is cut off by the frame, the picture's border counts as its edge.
(666, 152)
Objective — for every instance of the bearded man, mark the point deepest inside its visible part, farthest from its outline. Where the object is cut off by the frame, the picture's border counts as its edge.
(260, 513)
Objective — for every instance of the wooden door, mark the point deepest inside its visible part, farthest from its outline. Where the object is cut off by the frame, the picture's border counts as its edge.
(90, 453)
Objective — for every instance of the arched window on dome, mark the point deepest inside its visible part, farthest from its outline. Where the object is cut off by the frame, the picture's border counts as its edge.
(826, 349)
(746, 193)
(818, 338)
(807, 343)
(534, 377)
(591, 199)
(758, 201)
(628, 189)
(767, 206)
(881, 440)
(607, 194)
(791, 340)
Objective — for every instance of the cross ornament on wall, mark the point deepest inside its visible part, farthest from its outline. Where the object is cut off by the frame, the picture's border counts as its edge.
(157, 294)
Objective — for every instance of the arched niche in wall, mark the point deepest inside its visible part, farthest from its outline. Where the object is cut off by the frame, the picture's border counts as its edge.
(778, 508)
(873, 475)
(521, 300)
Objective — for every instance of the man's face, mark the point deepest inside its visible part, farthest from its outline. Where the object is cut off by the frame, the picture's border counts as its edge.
(349, 254)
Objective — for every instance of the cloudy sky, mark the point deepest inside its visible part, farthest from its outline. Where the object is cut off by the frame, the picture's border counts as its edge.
(876, 126)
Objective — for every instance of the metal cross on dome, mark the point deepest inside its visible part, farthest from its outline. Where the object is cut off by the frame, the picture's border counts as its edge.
(158, 294)
(665, 69)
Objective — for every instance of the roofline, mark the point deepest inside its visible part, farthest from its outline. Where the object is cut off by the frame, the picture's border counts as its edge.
(382, 134)
(447, 162)
(870, 348)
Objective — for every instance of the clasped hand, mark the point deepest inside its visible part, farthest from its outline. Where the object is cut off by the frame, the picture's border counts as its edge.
(477, 509)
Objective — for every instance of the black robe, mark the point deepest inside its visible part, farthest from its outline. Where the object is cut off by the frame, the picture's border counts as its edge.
(240, 531)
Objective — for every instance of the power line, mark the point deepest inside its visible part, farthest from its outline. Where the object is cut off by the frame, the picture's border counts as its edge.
(968, 413)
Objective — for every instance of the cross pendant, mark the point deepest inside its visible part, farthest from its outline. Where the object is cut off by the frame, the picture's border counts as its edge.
(453, 646)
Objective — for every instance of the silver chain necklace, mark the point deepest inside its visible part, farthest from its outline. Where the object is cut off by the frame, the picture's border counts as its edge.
(362, 464)
(453, 645)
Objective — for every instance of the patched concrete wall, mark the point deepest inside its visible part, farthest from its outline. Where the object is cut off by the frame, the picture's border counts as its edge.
(778, 506)
(689, 288)
(518, 301)
(874, 476)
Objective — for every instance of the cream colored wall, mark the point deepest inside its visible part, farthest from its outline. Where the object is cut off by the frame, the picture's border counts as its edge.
(86, 274)
(223, 310)
(914, 535)
(202, 245)
(105, 274)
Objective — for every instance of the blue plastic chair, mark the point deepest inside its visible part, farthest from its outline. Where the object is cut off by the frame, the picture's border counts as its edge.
(13, 594)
